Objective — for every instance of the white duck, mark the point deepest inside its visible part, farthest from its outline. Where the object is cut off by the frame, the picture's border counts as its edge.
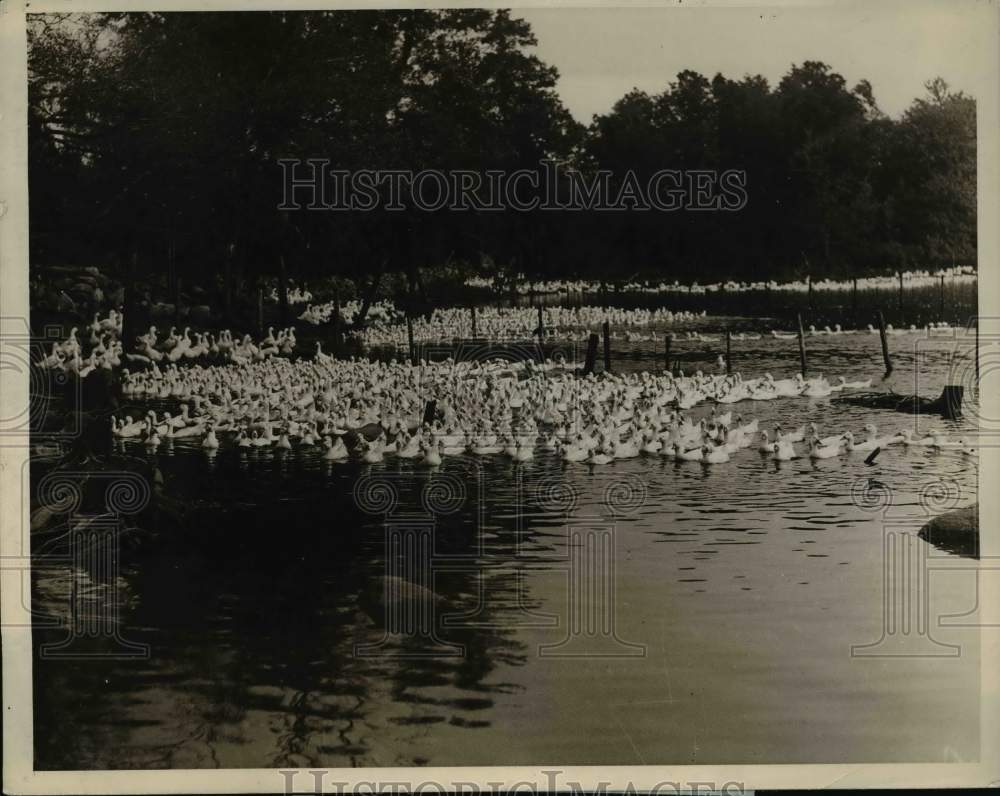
(432, 455)
(854, 385)
(333, 452)
(716, 455)
(374, 452)
(693, 455)
(785, 451)
(523, 452)
(819, 451)
(909, 438)
(833, 439)
(798, 435)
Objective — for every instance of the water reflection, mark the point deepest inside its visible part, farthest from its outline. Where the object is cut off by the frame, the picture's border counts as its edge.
(745, 583)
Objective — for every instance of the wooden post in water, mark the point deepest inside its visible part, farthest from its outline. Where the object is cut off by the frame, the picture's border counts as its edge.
(802, 346)
(810, 293)
(667, 354)
(885, 343)
(260, 312)
(591, 354)
(950, 402)
(729, 356)
(607, 347)
(409, 337)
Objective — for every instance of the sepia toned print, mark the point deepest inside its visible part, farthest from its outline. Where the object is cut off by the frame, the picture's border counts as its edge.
(464, 388)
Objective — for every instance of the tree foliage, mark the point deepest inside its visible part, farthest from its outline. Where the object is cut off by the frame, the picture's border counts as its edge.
(155, 140)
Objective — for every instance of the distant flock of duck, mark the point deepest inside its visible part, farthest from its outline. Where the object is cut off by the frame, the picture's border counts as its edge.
(380, 312)
(935, 327)
(296, 295)
(372, 410)
(385, 328)
(917, 278)
(516, 323)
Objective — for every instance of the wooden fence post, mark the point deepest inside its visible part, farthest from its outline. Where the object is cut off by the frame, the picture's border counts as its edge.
(885, 343)
(591, 354)
(409, 336)
(950, 402)
(607, 347)
(260, 311)
(802, 346)
(977, 357)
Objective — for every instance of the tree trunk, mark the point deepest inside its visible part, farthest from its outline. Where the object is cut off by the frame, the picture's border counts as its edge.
(366, 303)
(130, 322)
(420, 286)
(227, 284)
(282, 291)
(176, 281)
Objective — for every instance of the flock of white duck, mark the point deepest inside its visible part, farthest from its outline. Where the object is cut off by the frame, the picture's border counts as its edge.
(932, 328)
(102, 338)
(918, 278)
(487, 409)
(192, 347)
(295, 295)
(518, 323)
(380, 312)
(385, 324)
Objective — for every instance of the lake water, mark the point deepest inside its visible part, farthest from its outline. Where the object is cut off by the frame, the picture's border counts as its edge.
(739, 591)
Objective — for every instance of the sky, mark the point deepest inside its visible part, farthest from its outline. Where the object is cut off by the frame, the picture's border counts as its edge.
(602, 53)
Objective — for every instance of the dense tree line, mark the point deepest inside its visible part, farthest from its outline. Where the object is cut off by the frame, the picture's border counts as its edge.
(155, 141)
